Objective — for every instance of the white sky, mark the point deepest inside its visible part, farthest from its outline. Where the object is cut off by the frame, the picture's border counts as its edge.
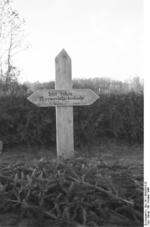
(104, 38)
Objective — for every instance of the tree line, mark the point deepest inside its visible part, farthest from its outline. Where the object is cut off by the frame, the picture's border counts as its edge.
(115, 116)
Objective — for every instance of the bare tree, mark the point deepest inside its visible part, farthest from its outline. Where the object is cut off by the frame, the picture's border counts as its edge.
(11, 37)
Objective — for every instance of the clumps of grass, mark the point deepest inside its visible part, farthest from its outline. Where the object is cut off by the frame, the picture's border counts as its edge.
(72, 192)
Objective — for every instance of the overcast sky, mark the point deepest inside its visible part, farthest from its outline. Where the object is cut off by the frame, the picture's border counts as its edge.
(104, 38)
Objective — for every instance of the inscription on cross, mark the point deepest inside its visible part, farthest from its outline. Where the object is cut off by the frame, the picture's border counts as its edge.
(63, 97)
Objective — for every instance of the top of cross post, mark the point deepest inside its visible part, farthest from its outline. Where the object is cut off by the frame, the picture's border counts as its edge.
(62, 54)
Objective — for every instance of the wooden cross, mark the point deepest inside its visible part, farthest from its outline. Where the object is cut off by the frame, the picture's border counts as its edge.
(63, 97)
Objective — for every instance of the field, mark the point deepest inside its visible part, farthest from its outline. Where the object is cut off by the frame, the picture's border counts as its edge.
(101, 186)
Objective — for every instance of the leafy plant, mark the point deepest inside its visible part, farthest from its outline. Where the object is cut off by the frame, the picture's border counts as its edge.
(75, 191)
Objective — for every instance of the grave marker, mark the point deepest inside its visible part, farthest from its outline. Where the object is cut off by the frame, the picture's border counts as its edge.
(63, 98)
(51, 97)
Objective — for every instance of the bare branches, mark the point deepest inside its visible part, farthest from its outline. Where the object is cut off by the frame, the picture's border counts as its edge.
(11, 36)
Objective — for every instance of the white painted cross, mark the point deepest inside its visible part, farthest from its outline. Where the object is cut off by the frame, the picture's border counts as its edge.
(63, 97)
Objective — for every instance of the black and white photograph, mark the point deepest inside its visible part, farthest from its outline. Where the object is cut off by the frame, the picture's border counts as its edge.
(72, 144)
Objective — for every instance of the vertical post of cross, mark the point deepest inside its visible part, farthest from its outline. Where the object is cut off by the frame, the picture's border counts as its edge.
(64, 115)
